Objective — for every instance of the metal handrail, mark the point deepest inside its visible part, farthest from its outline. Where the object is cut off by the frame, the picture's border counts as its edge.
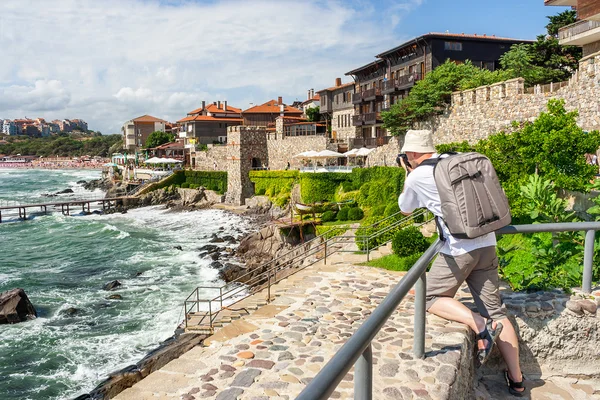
(256, 281)
(357, 350)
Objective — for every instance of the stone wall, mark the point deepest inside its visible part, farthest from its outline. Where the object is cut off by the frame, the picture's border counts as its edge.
(282, 149)
(244, 143)
(215, 155)
(385, 155)
(476, 114)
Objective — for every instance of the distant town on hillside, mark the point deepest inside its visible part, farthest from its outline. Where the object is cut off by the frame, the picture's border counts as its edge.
(39, 127)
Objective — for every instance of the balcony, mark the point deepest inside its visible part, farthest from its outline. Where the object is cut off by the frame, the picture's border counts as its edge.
(580, 33)
(326, 107)
(369, 142)
(401, 83)
(357, 98)
(358, 120)
(372, 94)
(372, 118)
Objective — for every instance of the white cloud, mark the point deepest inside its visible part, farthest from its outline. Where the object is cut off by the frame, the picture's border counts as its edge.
(109, 61)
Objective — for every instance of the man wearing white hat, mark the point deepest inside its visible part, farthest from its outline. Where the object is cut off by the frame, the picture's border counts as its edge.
(460, 260)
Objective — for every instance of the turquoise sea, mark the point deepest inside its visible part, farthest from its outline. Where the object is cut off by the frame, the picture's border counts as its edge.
(62, 262)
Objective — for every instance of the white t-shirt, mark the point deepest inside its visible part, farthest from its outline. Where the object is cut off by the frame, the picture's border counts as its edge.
(420, 191)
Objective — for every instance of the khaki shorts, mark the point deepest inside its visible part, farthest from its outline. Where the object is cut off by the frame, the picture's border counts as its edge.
(479, 268)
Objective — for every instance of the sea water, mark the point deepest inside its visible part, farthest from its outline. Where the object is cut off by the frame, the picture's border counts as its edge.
(62, 263)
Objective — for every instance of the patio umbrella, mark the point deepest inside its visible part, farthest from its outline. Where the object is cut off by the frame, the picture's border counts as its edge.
(351, 153)
(328, 154)
(306, 154)
(363, 152)
(154, 160)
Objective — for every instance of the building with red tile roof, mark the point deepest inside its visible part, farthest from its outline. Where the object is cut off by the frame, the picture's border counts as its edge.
(136, 131)
(263, 114)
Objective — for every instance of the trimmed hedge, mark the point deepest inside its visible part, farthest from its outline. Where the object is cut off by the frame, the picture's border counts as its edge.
(321, 187)
(277, 185)
(328, 216)
(355, 214)
(211, 180)
(409, 241)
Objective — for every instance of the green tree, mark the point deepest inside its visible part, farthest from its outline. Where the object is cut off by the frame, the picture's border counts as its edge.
(545, 60)
(157, 138)
(313, 114)
(552, 145)
(430, 95)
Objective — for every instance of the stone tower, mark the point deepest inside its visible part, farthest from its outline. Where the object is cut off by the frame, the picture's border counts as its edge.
(246, 150)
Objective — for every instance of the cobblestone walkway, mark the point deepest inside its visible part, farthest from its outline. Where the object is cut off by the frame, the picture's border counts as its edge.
(274, 352)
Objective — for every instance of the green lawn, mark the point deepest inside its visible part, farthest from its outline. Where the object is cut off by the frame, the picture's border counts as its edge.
(393, 263)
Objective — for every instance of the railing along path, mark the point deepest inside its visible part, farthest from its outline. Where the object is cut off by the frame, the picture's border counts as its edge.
(357, 350)
(285, 265)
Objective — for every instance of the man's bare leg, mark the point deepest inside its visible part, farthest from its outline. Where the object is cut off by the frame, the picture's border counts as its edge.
(454, 310)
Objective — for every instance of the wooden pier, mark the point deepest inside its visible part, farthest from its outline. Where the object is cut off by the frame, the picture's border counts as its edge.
(66, 207)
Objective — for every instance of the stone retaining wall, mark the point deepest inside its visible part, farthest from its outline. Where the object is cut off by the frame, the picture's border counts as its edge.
(215, 155)
(281, 149)
(476, 114)
(385, 155)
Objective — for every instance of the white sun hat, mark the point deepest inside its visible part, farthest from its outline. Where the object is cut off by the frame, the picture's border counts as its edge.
(418, 141)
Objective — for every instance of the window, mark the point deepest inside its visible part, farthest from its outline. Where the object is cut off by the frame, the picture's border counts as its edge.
(453, 46)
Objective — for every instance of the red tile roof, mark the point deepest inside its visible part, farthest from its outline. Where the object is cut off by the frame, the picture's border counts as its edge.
(148, 118)
(271, 107)
(170, 145)
(209, 119)
(214, 109)
(337, 87)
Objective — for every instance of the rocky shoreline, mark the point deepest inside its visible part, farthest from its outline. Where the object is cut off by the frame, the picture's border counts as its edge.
(234, 256)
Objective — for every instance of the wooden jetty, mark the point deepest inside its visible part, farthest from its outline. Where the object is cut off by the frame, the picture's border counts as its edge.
(66, 206)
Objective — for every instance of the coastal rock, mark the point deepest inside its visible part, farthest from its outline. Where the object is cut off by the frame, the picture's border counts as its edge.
(71, 311)
(65, 191)
(115, 297)
(178, 248)
(112, 285)
(81, 182)
(15, 307)
(103, 184)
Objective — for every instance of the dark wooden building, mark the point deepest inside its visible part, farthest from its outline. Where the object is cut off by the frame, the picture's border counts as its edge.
(383, 82)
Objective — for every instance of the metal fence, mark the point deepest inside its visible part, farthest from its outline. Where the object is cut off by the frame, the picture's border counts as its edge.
(357, 351)
(288, 264)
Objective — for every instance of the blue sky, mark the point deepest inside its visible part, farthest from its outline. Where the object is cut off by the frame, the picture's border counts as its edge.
(112, 60)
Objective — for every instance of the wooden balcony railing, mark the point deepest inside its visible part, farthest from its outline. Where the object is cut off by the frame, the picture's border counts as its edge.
(577, 28)
(401, 83)
(371, 94)
(371, 118)
(357, 98)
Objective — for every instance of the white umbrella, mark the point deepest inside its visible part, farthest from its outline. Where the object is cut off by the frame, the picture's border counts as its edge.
(363, 151)
(328, 154)
(306, 154)
(154, 160)
(170, 160)
(351, 153)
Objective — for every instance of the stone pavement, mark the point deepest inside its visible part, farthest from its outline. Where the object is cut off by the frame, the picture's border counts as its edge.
(274, 352)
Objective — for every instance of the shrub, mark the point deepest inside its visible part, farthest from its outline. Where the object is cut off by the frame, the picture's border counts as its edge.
(391, 209)
(378, 211)
(409, 241)
(277, 185)
(355, 214)
(328, 216)
(321, 187)
(342, 215)
(185, 185)
(374, 224)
